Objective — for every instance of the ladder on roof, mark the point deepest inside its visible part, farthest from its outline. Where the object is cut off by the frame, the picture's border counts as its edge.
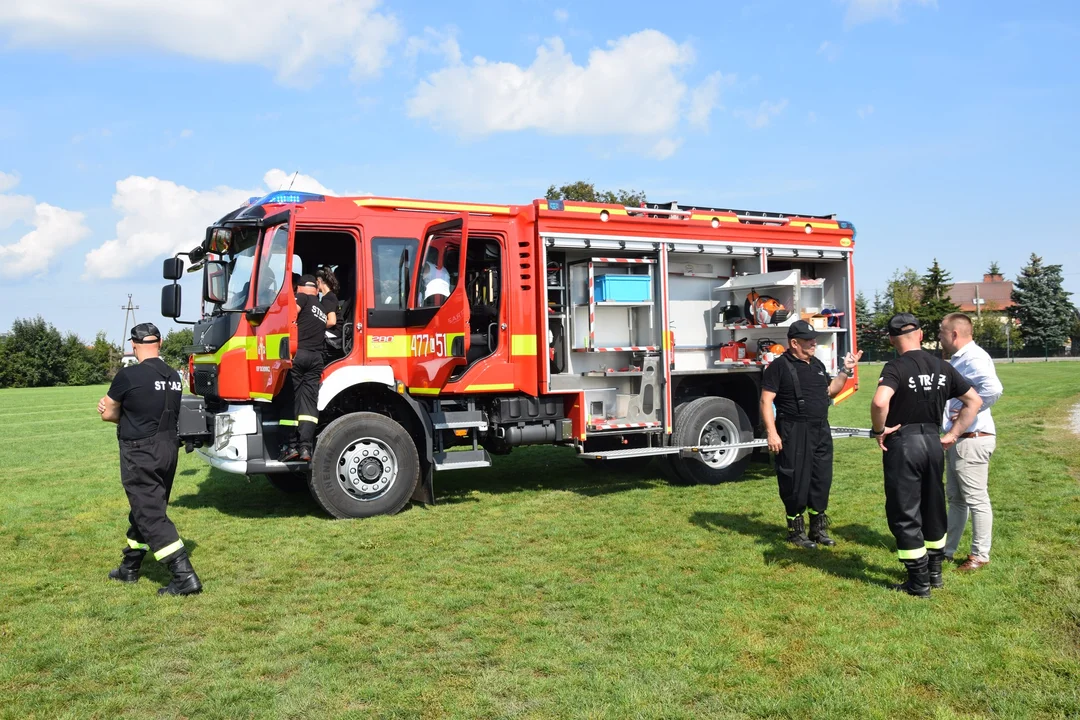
(758, 216)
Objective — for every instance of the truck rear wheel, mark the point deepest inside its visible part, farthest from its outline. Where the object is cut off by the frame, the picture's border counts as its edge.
(709, 421)
(365, 464)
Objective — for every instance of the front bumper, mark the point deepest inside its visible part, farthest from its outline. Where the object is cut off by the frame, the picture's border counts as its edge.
(239, 445)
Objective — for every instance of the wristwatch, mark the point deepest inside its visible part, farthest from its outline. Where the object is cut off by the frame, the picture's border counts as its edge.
(875, 433)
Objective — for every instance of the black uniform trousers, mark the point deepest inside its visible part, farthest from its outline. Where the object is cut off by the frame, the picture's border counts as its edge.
(147, 470)
(914, 490)
(306, 376)
(804, 465)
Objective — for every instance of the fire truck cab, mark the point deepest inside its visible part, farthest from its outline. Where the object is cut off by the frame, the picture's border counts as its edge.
(469, 329)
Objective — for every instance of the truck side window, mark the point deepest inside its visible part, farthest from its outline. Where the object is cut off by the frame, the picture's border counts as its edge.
(391, 267)
(271, 277)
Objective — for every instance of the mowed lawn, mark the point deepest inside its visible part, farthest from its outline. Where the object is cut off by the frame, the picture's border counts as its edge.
(540, 588)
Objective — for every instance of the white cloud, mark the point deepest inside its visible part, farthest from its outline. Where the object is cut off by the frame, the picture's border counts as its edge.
(864, 11)
(811, 116)
(561, 15)
(763, 115)
(865, 111)
(664, 148)
(160, 217)
(830, 51)
(631, 88)
(435, 42)
(706, 97)
(186, 133)
(293, 39)
(54, 229)
(8, 181)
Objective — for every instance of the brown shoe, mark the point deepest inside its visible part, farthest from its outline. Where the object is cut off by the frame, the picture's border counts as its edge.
(972, 564)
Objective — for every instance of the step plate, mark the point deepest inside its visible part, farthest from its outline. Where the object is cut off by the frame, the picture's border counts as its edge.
(692, 450)
(462, 460)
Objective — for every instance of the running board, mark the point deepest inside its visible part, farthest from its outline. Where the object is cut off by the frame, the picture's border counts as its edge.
(462, 459)
(693, 450)
(459, 420)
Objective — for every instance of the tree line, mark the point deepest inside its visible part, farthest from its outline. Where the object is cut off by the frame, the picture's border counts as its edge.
(33, 353)
(1042, 319)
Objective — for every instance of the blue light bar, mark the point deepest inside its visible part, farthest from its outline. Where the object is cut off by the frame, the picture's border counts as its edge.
(845, 225)
(284, 197)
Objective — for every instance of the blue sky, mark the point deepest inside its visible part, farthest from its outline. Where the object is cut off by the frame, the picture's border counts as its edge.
(942, 129)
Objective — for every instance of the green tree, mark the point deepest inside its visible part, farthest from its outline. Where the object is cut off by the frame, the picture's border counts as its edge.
(904, 291)
(172, 347)
(33, 355)
(1074, 332)
(881, 311)
(867, 332)
(584, 191)
(994, 268)
(79, 365)
(1042, 305)
(106, 355)
(935, 302)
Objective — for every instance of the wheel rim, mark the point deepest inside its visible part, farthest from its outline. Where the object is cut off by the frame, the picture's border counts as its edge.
(367, 469)
(719, 431)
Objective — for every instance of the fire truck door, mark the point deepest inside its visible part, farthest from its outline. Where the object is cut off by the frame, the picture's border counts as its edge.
(273, 313)
(437, 319)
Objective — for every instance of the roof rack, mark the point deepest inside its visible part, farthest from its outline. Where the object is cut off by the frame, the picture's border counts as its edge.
(752, 216)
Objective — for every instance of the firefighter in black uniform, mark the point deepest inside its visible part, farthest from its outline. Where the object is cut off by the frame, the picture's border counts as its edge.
(799, 383)
(307, 368)
(906, 419)
(144, 401)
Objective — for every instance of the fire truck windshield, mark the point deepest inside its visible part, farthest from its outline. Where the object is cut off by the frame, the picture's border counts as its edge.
(241, 265)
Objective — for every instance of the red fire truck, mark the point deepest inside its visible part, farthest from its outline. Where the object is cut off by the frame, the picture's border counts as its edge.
(467, 330)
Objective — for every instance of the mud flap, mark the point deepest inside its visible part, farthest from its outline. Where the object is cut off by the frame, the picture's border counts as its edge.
(425, 489)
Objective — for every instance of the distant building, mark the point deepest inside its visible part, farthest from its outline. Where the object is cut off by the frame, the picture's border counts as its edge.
(993, 293)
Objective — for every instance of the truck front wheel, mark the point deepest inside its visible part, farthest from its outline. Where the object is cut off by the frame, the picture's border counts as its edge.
(365, 464)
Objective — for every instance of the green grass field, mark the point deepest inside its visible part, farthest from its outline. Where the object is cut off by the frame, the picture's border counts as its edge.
(540, 588)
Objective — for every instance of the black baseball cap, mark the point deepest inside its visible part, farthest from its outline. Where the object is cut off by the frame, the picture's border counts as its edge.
(307, 280)
(902, 324)
(140, 332)
(802, 330)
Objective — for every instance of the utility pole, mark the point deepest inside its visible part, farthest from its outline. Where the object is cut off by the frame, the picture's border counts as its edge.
(978, 304)
(129, 312)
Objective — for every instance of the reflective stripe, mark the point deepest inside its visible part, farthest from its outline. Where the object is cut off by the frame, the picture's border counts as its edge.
(523, 345)
(169, 550)
(812, 511)
(911, 554)
(792, 517)
(137, 545)
(935, 544)
(307, 418)
(288, 423)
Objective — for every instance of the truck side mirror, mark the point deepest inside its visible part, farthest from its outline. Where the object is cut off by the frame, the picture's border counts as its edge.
(170, 301)
(172, 268)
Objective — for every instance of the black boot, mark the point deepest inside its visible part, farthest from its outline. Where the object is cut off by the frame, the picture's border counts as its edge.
(184, 580)
(128, 571)
(305, 454)
(933, 561)
(818, 533)
(289, 453)
(918, 578)
(796, 533)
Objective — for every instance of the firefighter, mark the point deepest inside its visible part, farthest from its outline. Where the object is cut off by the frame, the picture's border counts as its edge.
(307, 367)
(799, 384)
(906, 417)
(144, 402)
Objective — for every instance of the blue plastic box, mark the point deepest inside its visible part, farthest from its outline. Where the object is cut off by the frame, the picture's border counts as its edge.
(623, 288)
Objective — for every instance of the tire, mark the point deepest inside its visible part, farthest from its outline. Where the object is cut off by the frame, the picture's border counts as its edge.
(710, 421)
(379, 451)
(289, 482)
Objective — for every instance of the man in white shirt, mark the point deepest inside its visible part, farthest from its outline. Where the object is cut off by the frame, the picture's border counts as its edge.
(967, 463)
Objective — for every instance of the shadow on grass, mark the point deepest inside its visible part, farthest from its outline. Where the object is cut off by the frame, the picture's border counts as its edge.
(835, 561)
(247, 497)
(545, 468)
